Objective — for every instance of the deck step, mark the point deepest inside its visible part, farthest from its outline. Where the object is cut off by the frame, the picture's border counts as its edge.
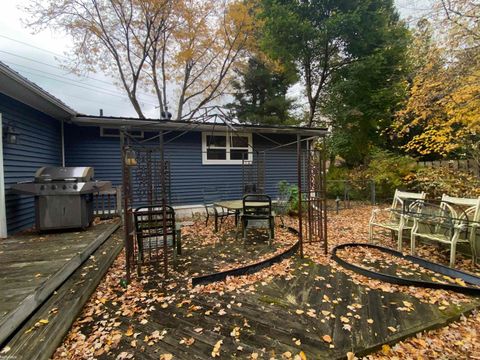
(36, 342)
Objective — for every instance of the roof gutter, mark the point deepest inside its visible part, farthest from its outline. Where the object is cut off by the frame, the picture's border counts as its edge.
(172, 125)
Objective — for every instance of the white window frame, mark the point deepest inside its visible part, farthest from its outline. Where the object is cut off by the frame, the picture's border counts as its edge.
(228, 147)
(102, 133)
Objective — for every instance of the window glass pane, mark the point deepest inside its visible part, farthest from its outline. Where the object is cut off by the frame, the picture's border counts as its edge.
(239, 155)
(111, 132)
(216, 141)
(216, 154)
(239, 141)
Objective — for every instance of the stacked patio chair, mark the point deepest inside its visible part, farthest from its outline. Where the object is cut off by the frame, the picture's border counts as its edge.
(257, 214)
(210, 197)
(398, 217)
(152, 225)
(455, 220)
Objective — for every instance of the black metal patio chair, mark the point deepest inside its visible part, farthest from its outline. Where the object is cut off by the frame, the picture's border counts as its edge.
(211, 196)
(152, 225)
(257, 214)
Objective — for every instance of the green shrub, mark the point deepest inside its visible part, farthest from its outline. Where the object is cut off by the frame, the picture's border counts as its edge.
(389, 171)
(336, 178)
(285, 188)
(442, 180)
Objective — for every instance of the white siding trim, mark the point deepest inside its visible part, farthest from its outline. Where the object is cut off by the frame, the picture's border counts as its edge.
(3, 211)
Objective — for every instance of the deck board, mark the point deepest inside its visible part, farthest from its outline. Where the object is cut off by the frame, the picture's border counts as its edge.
(32, 269)
(271, 312)
(39, 342)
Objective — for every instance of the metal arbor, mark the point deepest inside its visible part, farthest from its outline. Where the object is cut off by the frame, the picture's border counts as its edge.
(312, 196)
(146, 183)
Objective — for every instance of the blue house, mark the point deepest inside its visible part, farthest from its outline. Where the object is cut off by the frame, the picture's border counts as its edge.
(39, 130)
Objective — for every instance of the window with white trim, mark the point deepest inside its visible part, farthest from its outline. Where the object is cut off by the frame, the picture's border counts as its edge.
(226, 148)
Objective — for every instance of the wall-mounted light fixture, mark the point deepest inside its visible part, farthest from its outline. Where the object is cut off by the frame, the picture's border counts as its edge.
(10, 134)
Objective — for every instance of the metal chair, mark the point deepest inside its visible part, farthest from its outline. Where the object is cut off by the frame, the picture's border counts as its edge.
(257, 214)
(210, 197)
(154, 225)
(397, 220)
(455, 220)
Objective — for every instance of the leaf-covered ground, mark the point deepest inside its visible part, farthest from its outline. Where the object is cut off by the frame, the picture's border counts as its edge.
(108, 323)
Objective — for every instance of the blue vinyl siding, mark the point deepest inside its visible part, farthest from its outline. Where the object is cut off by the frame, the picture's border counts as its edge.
(39, 144)
(85, 147)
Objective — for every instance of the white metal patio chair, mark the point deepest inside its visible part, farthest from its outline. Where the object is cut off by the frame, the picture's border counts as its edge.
(458, 222)
(397, 218)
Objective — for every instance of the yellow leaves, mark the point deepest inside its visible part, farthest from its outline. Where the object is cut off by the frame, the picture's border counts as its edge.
(235, 332)
(386, 349)
(129, 331)
(442, 108)
(216, 348)
(166, 357)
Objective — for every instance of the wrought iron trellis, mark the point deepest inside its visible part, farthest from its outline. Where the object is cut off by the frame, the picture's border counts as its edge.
(146, 182)
(253, 173)
(312, 195)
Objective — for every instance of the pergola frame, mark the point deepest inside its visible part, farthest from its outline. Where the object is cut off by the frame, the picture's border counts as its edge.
(311, 171)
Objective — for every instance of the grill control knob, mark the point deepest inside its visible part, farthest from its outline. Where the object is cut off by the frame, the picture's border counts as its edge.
(64, 187)
(54, 187)
(42, 187)
(75, 186)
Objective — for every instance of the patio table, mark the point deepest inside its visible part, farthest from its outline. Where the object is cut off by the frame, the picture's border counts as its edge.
(237, 206)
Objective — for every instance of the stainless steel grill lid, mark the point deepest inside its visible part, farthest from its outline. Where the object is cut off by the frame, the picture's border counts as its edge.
(73, 173)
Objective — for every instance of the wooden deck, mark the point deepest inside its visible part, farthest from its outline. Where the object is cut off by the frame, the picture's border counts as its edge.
(34, 265)
(314, 309)
(285, 316)
(38, 338)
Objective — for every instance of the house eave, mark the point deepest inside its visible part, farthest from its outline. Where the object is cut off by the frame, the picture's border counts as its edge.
(14, 85)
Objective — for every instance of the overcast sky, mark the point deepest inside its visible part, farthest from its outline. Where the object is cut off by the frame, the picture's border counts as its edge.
(38, 58)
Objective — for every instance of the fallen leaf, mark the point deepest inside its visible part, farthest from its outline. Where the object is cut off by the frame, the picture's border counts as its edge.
(216, 348)
(327, 338)
(129, 331)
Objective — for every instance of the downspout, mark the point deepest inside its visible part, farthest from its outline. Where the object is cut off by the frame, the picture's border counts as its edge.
(3, 212)
(63, 142)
